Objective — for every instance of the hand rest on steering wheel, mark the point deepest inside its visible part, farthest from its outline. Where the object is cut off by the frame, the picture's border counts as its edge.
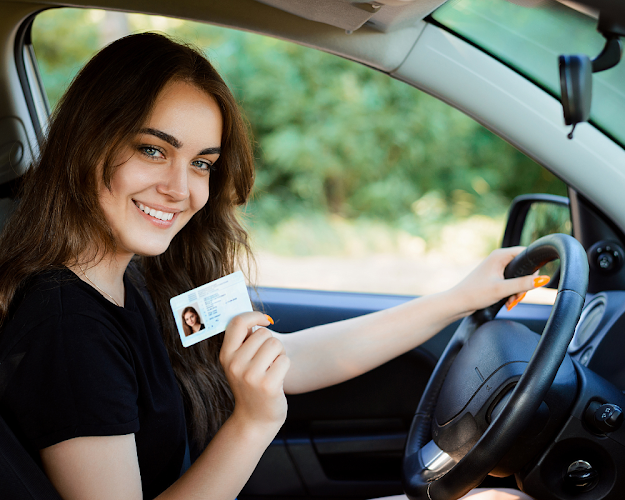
(420, 482)
(534, 257)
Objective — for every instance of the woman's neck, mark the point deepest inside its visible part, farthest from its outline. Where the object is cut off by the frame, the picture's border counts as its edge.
(106, 275)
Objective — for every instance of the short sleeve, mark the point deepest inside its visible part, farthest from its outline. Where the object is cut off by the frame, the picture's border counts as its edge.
(76, 378)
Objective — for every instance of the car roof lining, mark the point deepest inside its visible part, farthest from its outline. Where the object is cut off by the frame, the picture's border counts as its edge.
(384, 15)
(367, 45)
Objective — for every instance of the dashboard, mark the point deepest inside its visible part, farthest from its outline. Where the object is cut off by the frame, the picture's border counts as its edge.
(584, 459)
(599, 340)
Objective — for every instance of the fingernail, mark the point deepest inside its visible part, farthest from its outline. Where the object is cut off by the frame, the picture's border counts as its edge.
(269, 318)
(516, 301)
(541, 281)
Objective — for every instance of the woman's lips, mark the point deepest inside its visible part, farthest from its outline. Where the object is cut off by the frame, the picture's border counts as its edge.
(152, 212)
(161, 218)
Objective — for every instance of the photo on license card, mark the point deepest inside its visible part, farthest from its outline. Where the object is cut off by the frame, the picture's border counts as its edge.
(206, 311)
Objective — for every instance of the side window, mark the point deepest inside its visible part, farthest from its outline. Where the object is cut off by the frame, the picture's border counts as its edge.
(364, 183)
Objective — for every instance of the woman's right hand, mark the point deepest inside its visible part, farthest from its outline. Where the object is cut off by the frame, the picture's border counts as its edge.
(255, 364)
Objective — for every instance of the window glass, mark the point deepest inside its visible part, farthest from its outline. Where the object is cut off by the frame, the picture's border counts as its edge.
(545, 218)
(531, 37)
(364, 183)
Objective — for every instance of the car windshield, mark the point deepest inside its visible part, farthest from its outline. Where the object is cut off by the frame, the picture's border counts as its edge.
(530, 39)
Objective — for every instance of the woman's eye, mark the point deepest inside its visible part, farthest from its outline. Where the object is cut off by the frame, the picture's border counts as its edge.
(151, 152)
(203, 165)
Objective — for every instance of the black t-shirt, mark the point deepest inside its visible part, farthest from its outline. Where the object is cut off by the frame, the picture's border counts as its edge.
(91, 368)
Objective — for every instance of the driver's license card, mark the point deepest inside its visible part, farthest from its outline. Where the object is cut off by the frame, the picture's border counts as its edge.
(206, 310)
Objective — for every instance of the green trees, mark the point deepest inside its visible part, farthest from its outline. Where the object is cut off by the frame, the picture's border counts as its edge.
(332, 137)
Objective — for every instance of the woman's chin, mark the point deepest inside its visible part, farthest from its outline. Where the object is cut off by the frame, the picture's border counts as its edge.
(151, 250)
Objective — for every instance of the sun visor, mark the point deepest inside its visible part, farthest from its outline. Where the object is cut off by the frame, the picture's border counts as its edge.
(351, 15)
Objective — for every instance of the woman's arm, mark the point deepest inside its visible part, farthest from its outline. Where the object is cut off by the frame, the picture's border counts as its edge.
(106, 467)
(99, 467)
(224, 467)
(329, 354)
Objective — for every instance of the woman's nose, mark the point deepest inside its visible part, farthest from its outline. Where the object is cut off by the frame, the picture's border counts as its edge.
(175, 182)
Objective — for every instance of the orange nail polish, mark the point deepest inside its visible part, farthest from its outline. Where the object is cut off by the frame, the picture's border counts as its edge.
(516, 301)
(541, 281)
(269, 318)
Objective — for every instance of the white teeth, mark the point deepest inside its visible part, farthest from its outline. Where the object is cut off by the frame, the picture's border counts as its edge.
(157, 214)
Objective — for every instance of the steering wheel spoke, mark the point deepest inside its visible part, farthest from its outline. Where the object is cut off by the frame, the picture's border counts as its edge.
(435, 461)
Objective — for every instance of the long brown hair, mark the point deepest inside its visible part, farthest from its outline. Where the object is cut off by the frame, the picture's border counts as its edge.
(59, 216)
(187, 329)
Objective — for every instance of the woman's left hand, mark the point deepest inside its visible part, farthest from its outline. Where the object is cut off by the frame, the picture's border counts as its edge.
(485, 285)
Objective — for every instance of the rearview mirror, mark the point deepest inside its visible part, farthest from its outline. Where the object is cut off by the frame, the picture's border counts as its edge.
(576, 73)
(576, 88)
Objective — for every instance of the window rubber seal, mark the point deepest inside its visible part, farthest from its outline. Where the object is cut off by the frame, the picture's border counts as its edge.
(23, 40)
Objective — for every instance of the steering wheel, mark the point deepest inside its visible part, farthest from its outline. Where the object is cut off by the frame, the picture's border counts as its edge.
(430, 473)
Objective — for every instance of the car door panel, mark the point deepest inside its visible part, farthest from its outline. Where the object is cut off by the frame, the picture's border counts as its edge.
(346, 441)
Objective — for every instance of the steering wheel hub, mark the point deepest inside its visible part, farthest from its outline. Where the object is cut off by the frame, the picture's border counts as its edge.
(479, 384)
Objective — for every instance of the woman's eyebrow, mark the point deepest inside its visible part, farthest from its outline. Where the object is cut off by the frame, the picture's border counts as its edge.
(211, 151)
(175, 142)
(162, 135)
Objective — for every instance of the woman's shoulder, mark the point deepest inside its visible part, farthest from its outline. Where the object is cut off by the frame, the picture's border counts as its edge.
(74, 372)
(41, 297)
(56, 305)
(52, 294)
(61, 292)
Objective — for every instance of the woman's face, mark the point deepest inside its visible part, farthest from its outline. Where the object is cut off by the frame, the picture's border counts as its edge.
(164, 171)
(190, 319)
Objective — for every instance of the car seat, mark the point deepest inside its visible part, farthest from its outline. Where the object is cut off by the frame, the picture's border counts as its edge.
(20, 477)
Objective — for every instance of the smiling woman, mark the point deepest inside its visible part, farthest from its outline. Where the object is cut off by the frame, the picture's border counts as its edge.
(127, 173)
(162, 178)
(155, 166)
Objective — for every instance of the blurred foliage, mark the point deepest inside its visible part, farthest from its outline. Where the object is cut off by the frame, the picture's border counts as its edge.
(64, 41)
(333, 138)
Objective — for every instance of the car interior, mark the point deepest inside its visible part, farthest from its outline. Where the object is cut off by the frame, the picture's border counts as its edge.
(560, 436)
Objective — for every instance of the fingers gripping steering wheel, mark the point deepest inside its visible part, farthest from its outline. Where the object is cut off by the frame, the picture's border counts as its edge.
(432, 481)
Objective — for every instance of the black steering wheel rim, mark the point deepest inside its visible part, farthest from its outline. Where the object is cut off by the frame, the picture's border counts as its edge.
(530, 390)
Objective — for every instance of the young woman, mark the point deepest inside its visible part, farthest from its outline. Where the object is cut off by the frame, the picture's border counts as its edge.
(147, 155)
(191, 321)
